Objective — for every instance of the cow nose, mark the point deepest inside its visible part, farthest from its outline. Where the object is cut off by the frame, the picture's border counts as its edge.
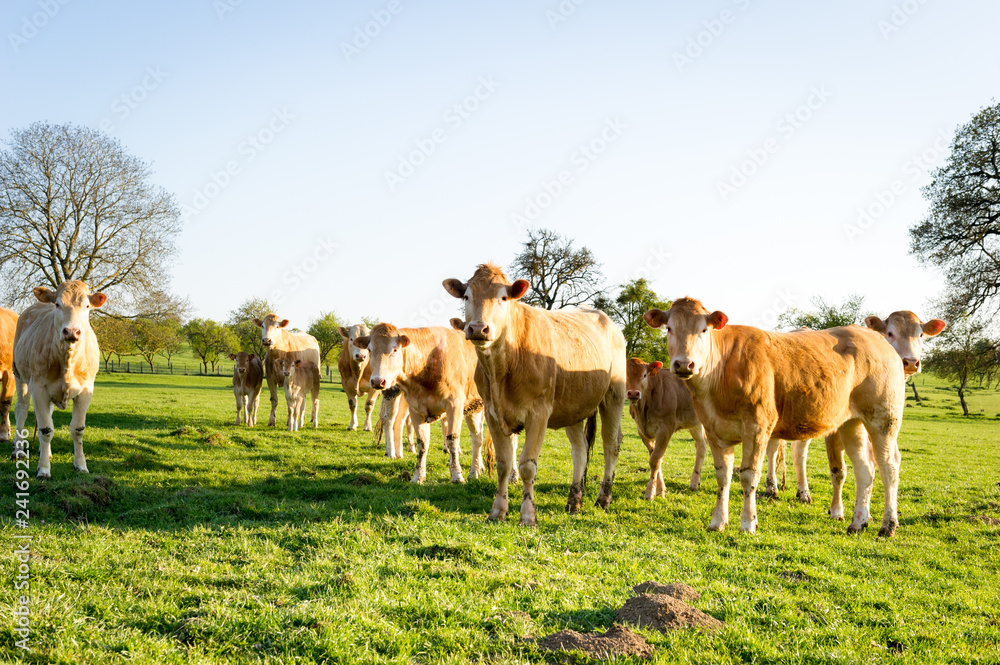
(378, 384)
(683, 366)
(911, 364)
(242, 370)
(632, 394)
(359, 356)
(266, 341)
(478, 329)
(71, 334)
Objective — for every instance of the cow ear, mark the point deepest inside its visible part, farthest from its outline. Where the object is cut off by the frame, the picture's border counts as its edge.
(876, 324)
(656, 364)
(718, 320)
(97, 299)
(455, 287)
(43, 294)
(298, 362)
(252, 356)
(232, 356)
(344, 332)
(404, 341)
(362, 342)
(655, 318)
(258, 323)
(458, 324)
(284, 322)
(516, 290)
(933, 327)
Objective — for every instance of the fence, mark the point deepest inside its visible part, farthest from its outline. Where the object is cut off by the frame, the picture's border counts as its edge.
(327, 373)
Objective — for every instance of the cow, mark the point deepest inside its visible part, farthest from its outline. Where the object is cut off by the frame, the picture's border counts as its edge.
(356, 374)
(281, 343)
(539, 370)
(395, 414)
(750, 386)
(660, 405)
(56, 357)
(300, 377)
(435, 370)
(248, 375)
(8, 325)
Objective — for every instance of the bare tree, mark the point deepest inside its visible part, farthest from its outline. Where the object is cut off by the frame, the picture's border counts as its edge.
(826, 315)
(75, 205)
(560, 276)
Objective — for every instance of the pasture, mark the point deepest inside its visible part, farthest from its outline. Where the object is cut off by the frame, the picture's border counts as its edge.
(197, 541)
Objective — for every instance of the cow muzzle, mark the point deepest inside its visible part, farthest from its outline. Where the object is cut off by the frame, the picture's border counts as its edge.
(378, 383)
(266, 341)
(683, 369)
(478, 332)
(361, 357)
(911, 366)
(241, 370)
(633, 394)
(71, 334)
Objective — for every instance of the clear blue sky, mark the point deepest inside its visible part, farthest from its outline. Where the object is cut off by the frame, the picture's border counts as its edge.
(310, 128)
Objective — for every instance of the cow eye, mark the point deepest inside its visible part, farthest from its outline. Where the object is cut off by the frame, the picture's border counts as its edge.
(504, 298)
(669, 329)
(704, 330)
(889, 335)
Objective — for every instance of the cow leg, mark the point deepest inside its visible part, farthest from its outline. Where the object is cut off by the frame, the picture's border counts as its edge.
(775, 463)
(475, 421)
(423, 443)
(352, 403)
(578, 445)
(255, 403)
(411, 434)
(701, 446)
(611, 436)
(6, 400)
(43, 418)
(835, 455)
(503, 448)
(534, 436)
(885, 449)
(21, 447)
(857, 448)
(292, 420)
(388, 415)
(452, 430)
(800, 454)
(272, 389)
(369, 407)
(724, 457)
(656, 487)
(755, 445)
(77, 424)
(315, 411)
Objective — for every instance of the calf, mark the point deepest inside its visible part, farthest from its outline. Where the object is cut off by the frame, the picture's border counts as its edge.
(356, 374)
(280, 344)
(660, 405)
(8, 325)
(56, 358)
(300, 377)
(750, 386)
(540, 369)
(395, 414)
(435, 370)
(248, 375)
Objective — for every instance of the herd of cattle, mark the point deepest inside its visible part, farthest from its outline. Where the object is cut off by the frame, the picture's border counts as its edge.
(520, 370)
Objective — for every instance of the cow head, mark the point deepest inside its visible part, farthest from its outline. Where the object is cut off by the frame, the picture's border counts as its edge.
(488, 298)
(689, 329)
(289, 365)
(269, 328)
(73, 301)
(637, 372)
(360, 355)
(242, 360)
(385, 347)
(906, 333)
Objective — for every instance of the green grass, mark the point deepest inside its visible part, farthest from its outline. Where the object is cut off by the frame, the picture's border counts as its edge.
(196, 541)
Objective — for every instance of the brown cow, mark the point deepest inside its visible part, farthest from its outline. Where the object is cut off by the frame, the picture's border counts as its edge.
(540, 369)
(356, 374)
(300, 377)
(750, 386)
(281, 343)
(660, 405)
(248, 375)
(435, 369)
(56, 358)
(8, 326)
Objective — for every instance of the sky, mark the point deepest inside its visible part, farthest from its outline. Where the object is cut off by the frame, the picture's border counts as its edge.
(350, 156)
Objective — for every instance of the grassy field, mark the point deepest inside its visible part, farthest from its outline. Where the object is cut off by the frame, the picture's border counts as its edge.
(196, 541)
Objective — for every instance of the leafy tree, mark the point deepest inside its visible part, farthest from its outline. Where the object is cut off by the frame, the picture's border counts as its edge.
(634, 299)
(560, 276)
(370, 321)
(150, 337)
(173, 339)
(325, 330)
(114, 336)
(75, 205)
(826, 315)
(964, 353)
(241, 323)
(209, 340)
(961, 233)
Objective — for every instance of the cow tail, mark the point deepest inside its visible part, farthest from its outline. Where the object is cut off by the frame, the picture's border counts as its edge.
(489, 454)
(591, 435)
(781, 462)
(379, 428)
(17, 375)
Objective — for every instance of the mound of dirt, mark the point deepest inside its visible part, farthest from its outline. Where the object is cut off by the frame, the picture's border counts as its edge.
(617, 642)
(678, 591)
(665, 613)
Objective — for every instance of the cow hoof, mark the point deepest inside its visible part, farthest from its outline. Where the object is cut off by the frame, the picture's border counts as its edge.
(694, 487)
(43, 475)
(854, 528)
(529, 520)
(887, 530)
(804, 496)
(418, 480)
(81, 470)
(603, 501)
(368, 428)
(771, 492)
(575, 503)
(748, 527)
(717, 526)
(458, 481)
(837, 514)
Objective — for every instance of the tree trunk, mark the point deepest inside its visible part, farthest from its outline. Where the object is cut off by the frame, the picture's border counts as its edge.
(961, 398)
(916, 396)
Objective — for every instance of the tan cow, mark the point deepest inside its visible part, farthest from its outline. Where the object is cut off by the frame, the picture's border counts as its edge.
(435, 369)
(750, 386)
(56, 358)
(395, 415)
(248, 375)
(8, 326)
(281, 343)
(660, 405)
(540, 369)
(356, 374)
(300, 377)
